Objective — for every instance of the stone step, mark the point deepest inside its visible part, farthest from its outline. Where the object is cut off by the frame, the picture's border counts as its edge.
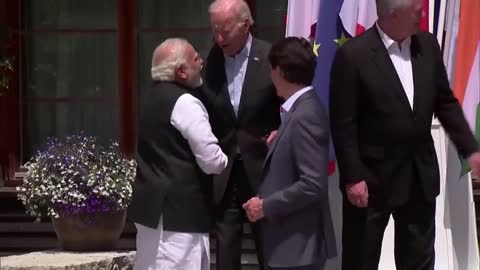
(57, 260)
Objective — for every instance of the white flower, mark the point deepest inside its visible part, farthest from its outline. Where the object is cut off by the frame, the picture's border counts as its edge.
(69, 174)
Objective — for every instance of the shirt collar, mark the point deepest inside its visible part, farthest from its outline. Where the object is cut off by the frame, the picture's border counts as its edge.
(388, 41)
(245, 52)
(287, 105)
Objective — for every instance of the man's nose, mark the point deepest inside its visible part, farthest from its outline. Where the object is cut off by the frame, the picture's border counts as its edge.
(218, 38)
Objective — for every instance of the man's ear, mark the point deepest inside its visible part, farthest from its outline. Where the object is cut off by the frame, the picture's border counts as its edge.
(282, 73)
(180, 72)
(246, 26)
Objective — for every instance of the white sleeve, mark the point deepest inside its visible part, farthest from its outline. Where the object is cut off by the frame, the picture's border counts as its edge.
(190, 117)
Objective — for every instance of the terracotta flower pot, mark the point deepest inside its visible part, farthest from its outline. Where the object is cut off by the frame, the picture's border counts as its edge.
(89, 232)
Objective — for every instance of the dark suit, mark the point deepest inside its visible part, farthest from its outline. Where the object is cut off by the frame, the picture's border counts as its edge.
(242, 138)
(380, 139)
(297, 228)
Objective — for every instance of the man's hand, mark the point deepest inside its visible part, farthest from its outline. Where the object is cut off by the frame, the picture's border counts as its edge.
(357, 194)
(474, 163)
(271, 137)
(254, 209)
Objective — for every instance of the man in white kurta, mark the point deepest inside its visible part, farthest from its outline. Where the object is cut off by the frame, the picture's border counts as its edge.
(176, 150)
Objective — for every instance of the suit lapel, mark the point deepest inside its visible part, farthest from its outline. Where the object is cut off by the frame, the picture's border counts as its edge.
(384, 64)
(286, 118)
(225, 97)
(284, 125)
(255, 60)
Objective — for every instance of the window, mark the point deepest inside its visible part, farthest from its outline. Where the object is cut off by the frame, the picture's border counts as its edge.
(70, 71)
(79, 64)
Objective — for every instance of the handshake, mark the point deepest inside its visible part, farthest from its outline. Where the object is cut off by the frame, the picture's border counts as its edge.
(254, 209)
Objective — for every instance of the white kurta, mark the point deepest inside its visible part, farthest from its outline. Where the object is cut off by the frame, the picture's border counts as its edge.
(166, 250)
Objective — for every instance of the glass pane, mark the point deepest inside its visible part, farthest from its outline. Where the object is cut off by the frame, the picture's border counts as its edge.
(270, 13)
(43, 120)
(70, 14)
(168, 14)
(147, 42)
(271, 35)
(73, 65)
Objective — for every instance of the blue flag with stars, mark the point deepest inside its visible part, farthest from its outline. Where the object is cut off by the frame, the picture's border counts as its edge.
(329, 35)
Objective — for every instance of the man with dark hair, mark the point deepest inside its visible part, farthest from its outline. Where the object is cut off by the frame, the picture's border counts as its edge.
(292, 206)
(244, 114)
(386, 86)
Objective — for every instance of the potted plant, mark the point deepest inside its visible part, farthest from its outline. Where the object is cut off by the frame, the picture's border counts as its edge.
(85, 188)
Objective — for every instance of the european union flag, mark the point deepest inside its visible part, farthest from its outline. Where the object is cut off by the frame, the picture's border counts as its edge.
(329, 35)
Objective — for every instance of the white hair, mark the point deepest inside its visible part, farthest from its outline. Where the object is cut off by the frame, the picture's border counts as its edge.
(385, 7)
(167, 57)
(239, 7)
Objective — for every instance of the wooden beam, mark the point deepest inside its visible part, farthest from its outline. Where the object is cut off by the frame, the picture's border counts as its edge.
(10, 150)
(127, 73)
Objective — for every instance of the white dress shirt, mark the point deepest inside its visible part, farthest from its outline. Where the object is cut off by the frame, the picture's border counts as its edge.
(190, 117)
(235, 69)
(287, 105)
(401, 58)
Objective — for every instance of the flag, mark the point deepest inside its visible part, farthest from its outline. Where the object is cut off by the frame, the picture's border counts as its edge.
(301, 17)
(367, 15)
(466, 83)
(451, 34)
(424, 21)
(358, 15)
(462, 54)
(329, 35)
(336, 23)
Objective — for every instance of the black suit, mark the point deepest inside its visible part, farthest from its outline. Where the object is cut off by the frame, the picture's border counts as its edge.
(380, 139)
(242, 138)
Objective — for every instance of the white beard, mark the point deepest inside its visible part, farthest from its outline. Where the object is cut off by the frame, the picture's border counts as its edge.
(195, 78)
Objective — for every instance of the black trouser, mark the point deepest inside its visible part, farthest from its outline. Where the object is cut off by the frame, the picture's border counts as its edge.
(363, 230)
(308, 267)
(230, 220)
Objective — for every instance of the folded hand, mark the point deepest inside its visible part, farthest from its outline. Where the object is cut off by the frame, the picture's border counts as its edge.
(357, 194)
(254, 209)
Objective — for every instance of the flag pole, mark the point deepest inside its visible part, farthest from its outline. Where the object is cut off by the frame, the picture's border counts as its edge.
(431, 15)
(441, 22)
(449, 26)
